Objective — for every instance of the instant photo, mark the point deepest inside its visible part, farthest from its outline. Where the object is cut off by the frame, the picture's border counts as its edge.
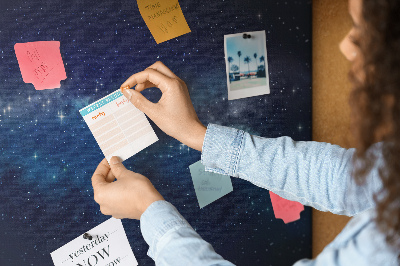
(246, 64)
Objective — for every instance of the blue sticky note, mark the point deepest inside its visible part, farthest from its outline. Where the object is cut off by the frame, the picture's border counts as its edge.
(209, 186)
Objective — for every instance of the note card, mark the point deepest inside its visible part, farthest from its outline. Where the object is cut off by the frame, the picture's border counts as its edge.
(288, 211)
(108, 246)
(118, 126)
(41, 64)
(209, 186)
(164, 18)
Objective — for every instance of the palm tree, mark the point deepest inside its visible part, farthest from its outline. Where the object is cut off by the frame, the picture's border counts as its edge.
(262, 59)
(239, 54)
(230, 59)
(234, 68)
(247, 60)
(255, 58)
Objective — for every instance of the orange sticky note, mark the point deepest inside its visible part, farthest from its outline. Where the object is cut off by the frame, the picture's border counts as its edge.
(288, 211)
(41, 64)
(164, 18)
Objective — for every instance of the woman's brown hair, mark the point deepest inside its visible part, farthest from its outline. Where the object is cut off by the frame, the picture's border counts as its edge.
(375, 103)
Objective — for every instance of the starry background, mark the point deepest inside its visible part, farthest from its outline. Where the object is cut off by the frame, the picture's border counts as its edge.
(48, 154)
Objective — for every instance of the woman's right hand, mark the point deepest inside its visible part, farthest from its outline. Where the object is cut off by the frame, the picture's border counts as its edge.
(173, 113)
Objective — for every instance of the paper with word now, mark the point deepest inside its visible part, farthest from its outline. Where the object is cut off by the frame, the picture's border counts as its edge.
(118, 126)
(288, 211)
(41, 64)
(209, 186)
(108, 246)
(164, 18)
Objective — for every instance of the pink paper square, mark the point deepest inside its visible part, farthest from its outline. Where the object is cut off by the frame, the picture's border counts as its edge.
(288, 211)
(41, 63)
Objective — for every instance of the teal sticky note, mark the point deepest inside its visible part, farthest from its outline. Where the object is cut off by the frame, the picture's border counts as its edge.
(209, 186)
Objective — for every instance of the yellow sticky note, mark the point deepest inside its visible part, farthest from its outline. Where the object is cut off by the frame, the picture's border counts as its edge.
(164, 18)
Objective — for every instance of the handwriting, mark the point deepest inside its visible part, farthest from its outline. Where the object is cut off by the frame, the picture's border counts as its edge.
(122, 102)
(205, 182)
(34, 55)
(151, 7)
(164, 11)
(169, 24)
(100, 114)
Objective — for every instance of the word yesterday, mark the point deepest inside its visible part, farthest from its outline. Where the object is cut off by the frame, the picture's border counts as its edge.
(89, 246)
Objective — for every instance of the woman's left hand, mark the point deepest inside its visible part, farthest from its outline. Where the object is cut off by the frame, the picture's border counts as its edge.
(128, 196)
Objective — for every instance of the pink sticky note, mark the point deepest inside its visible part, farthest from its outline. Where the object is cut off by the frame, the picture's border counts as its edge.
(288, 211)
(41, 64)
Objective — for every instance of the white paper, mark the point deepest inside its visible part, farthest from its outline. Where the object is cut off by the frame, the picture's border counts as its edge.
(108, 247)
(118, 126)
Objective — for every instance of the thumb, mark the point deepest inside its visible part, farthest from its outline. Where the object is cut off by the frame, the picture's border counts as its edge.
(138, 100)
(117, 167)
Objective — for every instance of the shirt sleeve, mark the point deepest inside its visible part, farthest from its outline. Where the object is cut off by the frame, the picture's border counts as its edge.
(312, 173)
(172, 241)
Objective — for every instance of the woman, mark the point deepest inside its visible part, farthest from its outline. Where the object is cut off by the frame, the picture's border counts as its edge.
(316, 174)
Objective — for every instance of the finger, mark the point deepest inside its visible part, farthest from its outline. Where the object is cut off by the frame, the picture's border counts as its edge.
(159, 80)
(143, 86)
(117, 167)
(105, 210)
(100, 174)
(140, 102)
(160, 67)
(110, 177)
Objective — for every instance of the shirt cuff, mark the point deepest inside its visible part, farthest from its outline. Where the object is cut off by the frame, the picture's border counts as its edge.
(221, 150)
(158, 219)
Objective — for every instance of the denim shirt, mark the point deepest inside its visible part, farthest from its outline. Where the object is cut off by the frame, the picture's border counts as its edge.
(314, 174)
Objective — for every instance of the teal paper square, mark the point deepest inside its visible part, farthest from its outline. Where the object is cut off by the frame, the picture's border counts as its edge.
(209, 186)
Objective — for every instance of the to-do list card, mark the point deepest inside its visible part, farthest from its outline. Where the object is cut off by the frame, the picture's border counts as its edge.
(118, 126)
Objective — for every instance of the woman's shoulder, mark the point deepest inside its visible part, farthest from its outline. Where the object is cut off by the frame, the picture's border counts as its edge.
(361, 238)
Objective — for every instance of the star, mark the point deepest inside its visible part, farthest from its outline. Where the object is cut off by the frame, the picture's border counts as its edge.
(35, 156)
(181, 146)
(61, 116)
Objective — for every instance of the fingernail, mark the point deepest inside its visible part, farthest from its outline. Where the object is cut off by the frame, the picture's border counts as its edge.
(125, 88)
(115, 160)
(127, 93)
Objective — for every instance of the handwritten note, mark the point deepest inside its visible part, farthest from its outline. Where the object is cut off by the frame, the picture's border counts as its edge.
(41, 64)
(108, 246)
(209, 186)
(164, 18)
(118, 126)
(288, 211)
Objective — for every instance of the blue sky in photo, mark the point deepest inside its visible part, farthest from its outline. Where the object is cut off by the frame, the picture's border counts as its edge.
(256, 44)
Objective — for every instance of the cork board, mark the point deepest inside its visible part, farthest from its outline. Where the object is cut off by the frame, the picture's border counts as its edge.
(331, 89)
